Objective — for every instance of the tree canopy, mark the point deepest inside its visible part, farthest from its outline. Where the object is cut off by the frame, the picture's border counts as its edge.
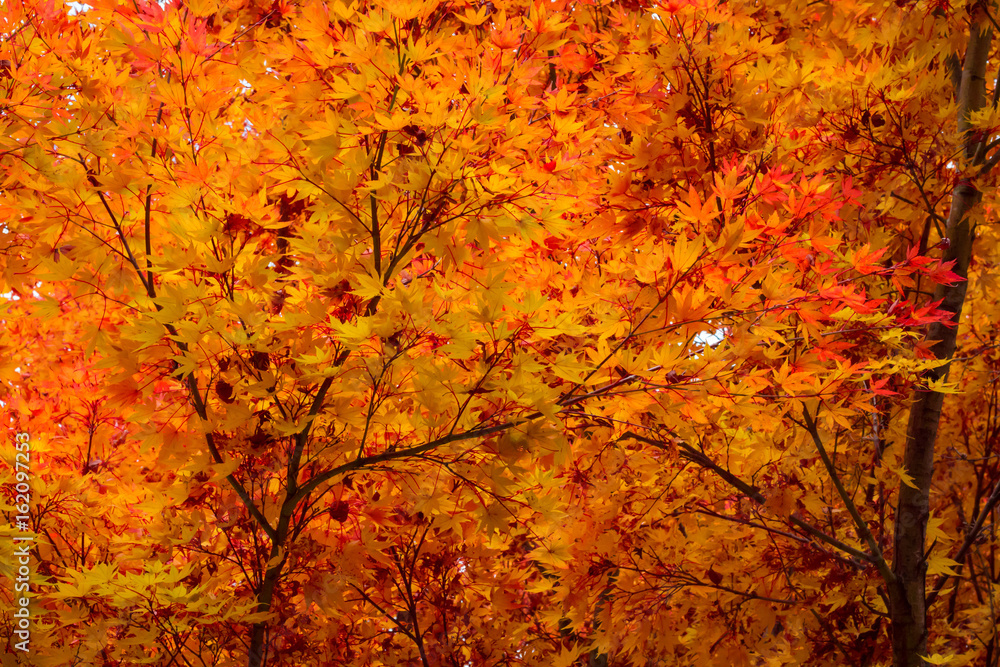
(505, 332)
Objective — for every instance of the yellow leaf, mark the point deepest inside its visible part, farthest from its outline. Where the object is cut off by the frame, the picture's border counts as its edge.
(475, 18)
(567, 656)
(368, 287)
(943, 387)
(541, 586)
(942, 565)
(277, 559)
(555, 555)
(904, 478)
(684, 253)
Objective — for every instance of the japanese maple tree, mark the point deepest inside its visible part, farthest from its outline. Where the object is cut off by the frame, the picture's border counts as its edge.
(476, 333)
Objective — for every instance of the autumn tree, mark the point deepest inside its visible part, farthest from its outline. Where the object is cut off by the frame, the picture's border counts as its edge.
(504, 332)
(893, 98)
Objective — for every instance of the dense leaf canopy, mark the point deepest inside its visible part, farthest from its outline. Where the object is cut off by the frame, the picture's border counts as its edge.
(510, 332)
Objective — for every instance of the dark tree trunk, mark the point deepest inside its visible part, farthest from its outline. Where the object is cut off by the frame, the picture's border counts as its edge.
(907, 590)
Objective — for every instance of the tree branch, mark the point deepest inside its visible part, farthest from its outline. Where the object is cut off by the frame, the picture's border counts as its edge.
(753, 493)
(859, 522)
(970, 538)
